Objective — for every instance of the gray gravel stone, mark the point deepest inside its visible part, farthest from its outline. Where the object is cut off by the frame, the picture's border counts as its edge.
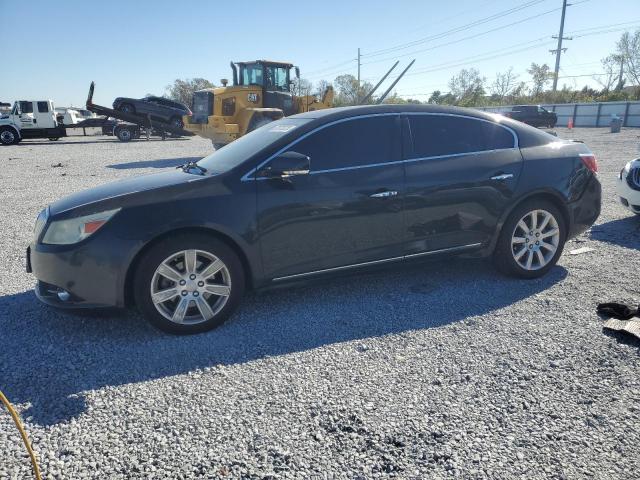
(447, 370)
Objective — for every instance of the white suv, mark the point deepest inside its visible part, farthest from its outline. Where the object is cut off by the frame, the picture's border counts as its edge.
(629, 186)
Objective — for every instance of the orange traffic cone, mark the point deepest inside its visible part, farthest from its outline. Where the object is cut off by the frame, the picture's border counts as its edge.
(570, 124)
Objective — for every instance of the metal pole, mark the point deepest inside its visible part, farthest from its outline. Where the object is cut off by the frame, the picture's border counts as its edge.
(559, 50)
(384, 95)
(358, 67)
(368, 95)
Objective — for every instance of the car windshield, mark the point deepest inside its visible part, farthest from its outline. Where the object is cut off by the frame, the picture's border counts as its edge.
(235, 153)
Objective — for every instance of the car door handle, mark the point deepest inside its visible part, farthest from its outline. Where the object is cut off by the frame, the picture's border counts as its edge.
(385, 194)
(504, 176)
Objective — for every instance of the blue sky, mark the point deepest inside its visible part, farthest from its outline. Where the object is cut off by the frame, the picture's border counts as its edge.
(131, 48)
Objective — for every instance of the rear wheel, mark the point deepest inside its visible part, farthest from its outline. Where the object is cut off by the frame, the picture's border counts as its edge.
(124, 134)
(176, 122)
(188, 284)
(531, 240)
(8, 136)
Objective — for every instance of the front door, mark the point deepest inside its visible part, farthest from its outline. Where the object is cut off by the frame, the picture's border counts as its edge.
(26, 117)
(346, 211)
(461, 176)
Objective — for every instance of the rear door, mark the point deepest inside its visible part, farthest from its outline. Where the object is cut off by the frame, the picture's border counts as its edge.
(45, 115)
(346, 211)
(461, 175)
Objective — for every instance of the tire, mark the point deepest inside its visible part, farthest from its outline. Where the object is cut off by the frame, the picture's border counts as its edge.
(188, 290)
(127, 108)
(257, 122)
(513, 235)
(54, 139)
(176, 122)
(124, 134)
(8, 136)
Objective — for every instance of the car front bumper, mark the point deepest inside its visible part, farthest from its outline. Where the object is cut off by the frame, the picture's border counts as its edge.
(88, 275)
(629, 198)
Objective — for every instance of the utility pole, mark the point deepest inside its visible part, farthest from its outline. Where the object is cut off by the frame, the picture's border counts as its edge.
(620, 84)
(358, 67)
(559, 50)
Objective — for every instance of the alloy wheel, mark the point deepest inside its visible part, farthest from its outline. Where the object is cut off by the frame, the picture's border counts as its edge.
(190, 287)
(535, 240)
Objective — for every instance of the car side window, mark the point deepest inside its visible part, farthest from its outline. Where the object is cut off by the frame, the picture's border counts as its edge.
(352, 143)
(43, 107)
(438, 135)
(26, 107)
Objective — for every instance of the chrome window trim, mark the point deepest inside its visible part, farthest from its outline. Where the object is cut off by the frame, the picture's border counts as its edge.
(377, 262)
(248, 178)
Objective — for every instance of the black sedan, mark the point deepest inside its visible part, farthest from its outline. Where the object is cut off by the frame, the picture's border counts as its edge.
(315, 194)
(159, 108)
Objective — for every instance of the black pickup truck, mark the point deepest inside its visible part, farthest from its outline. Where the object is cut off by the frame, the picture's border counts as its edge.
(534, 115)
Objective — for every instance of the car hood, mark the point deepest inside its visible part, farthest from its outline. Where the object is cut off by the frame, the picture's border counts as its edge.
(117, 193)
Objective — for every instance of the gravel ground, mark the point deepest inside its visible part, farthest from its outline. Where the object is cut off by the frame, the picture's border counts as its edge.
(441, 371)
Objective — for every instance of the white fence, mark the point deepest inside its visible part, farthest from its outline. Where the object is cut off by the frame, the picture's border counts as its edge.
(588, 114)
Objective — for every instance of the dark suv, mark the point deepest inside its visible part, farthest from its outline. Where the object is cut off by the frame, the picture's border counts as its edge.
(159, 108)
(533, 115)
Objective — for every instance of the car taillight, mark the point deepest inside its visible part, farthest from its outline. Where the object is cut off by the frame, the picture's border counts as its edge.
(589, 160)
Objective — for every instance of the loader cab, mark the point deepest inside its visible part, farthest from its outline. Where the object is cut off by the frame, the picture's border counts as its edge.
(275, 80)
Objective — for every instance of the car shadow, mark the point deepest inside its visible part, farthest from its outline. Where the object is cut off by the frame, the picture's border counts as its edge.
(99, 139)
(624, 232)
(161, 163)
(49, 359)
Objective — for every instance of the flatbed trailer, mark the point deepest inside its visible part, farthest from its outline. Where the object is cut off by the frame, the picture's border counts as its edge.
(133, 124)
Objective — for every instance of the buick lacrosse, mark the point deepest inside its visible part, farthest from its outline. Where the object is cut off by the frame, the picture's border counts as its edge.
(315, 194)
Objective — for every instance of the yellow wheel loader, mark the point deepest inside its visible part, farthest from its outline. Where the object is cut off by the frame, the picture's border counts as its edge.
(261, 93)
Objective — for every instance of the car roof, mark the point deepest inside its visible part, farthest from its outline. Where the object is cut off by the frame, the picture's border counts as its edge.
(345, 112)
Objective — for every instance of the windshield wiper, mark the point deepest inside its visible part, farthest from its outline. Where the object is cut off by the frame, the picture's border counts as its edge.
(187, 167)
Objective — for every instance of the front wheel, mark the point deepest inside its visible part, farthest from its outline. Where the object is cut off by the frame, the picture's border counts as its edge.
(8, 136)
(189, 284)
(127, 108)
(531, 240)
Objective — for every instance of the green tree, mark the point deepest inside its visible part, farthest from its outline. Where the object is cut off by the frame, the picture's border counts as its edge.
(540, 77)
(348, 91)
(628, 48)
(467, 87)
(182, 90)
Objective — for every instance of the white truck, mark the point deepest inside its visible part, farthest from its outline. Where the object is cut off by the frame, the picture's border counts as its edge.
(30, 119)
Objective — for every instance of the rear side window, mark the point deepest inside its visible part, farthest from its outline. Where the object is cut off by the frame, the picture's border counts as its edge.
(43, 107)
(26, 107)
(353, 143)
(436, 135)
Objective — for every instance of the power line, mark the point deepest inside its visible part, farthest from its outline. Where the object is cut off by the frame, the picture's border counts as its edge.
(454, 30)
(469, 37)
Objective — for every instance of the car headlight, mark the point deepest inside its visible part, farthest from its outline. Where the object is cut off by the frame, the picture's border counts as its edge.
(73, 230)
(625, 171)
(41, 221)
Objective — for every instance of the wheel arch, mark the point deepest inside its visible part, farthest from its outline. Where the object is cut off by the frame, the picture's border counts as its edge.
(11, 127)
(551, 196)
(230, 242)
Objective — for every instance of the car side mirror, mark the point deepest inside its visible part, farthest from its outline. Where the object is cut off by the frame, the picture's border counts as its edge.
(287, 164)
